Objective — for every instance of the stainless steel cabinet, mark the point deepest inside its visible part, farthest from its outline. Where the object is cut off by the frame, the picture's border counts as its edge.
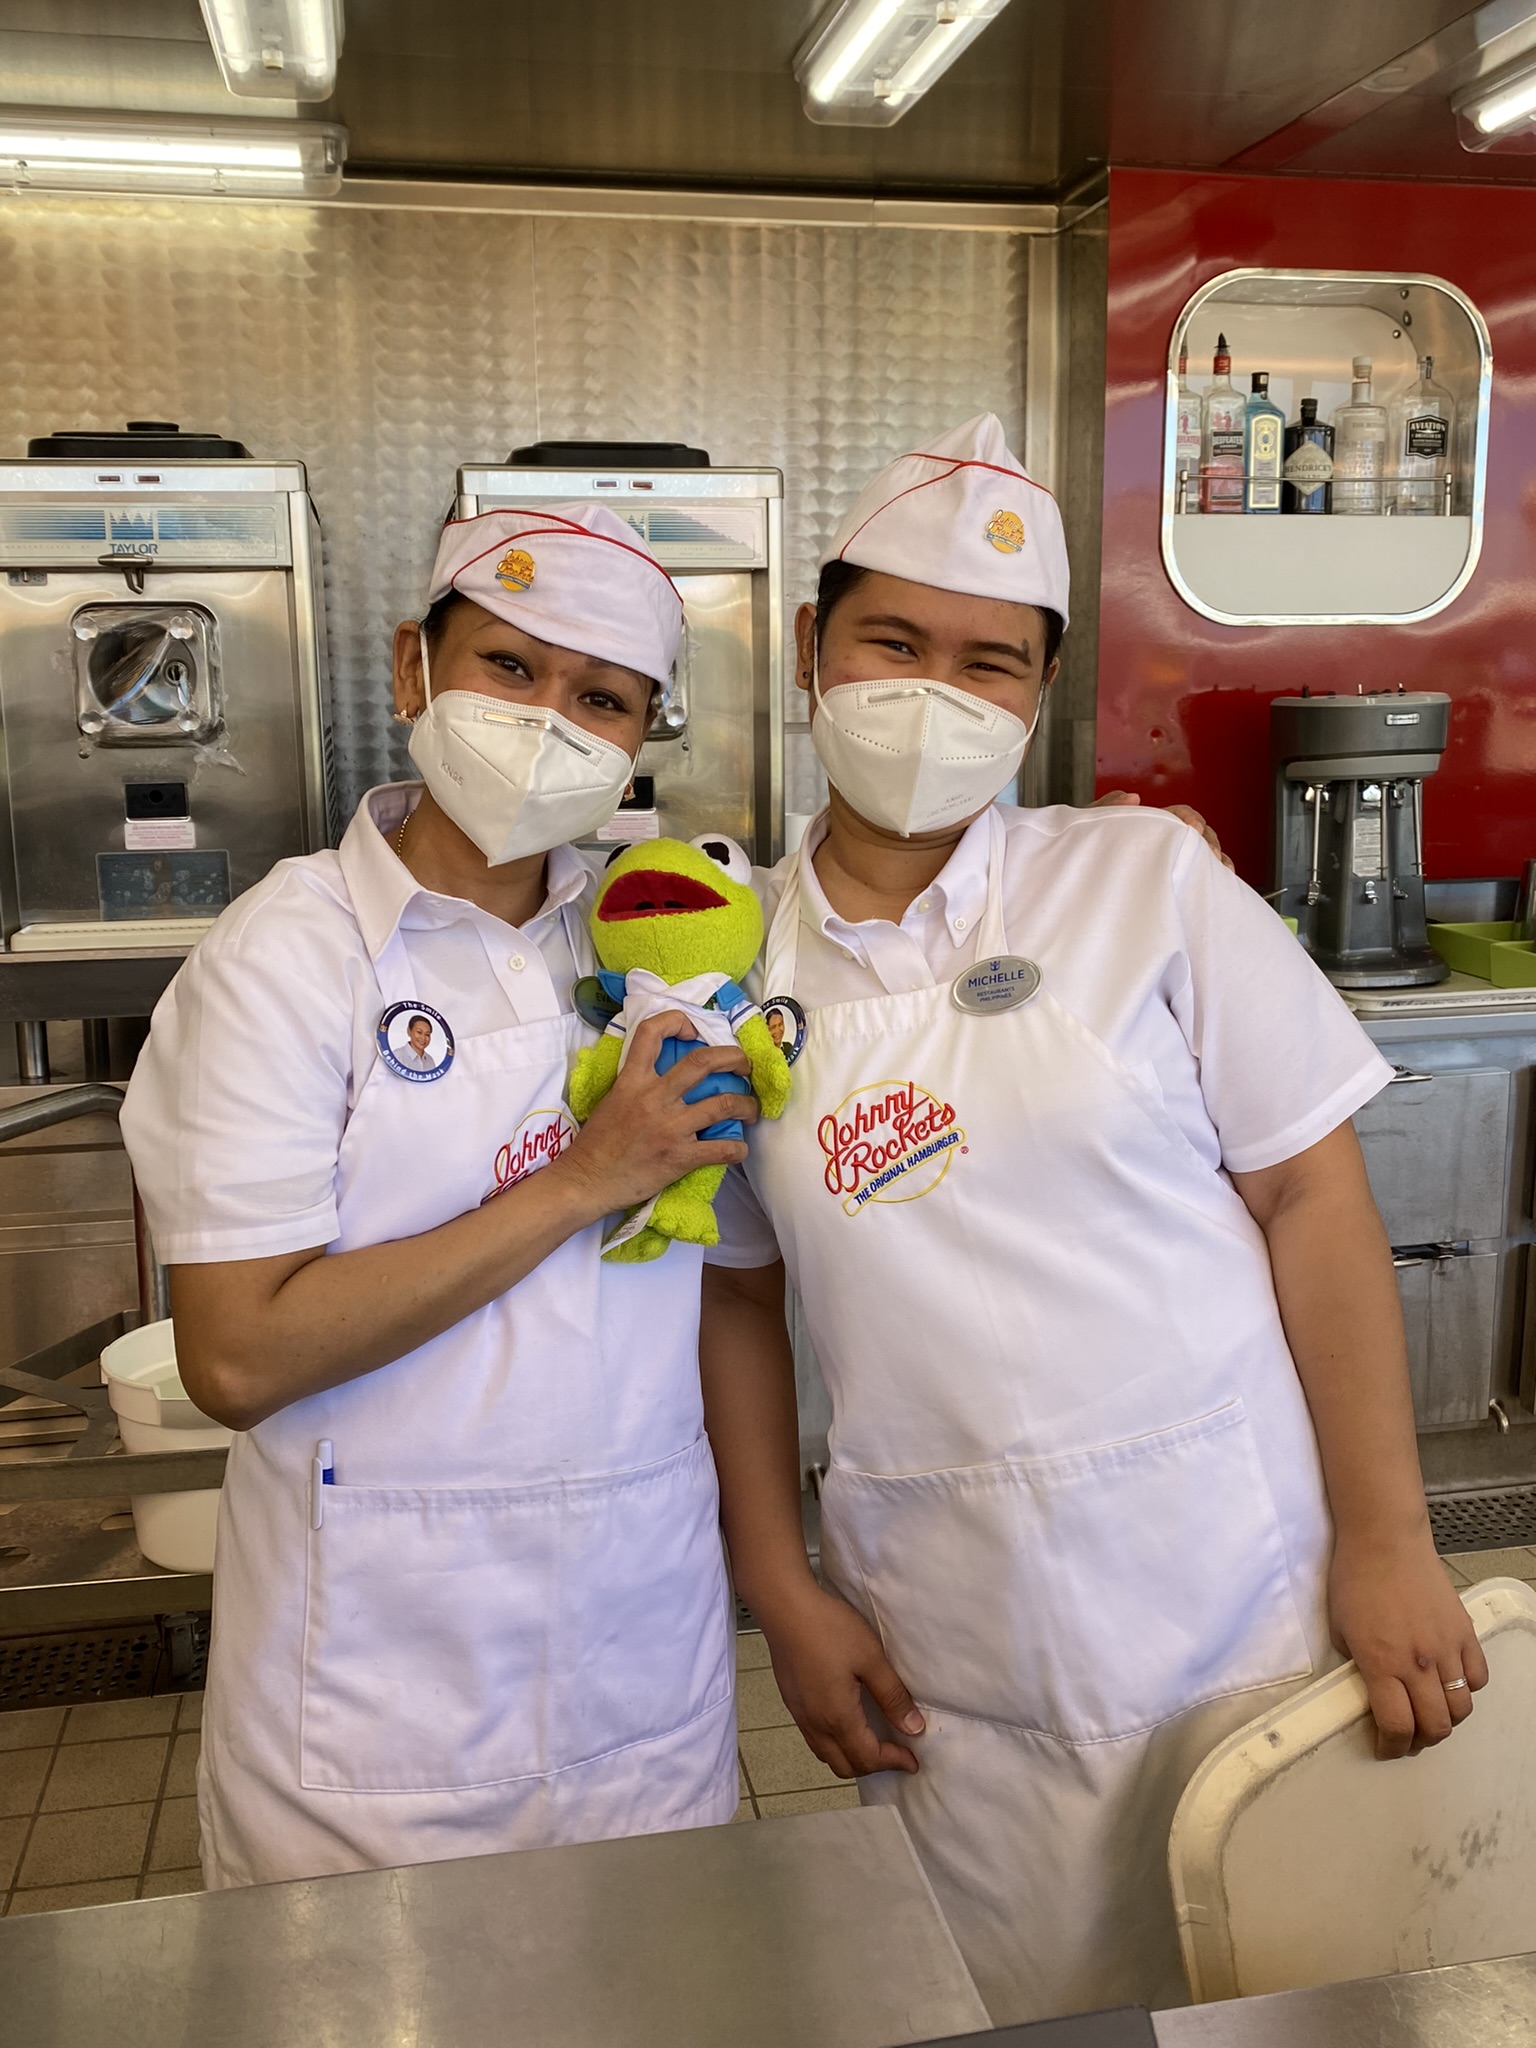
(1449, 1310)
(1437, 1148)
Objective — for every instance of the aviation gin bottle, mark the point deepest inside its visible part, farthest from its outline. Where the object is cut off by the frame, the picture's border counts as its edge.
(1423, 431)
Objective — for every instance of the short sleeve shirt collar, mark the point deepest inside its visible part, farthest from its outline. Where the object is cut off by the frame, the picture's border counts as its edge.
(385, 894)
(946, 912)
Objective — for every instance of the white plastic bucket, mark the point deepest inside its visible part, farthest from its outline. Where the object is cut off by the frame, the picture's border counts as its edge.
(175, 1530)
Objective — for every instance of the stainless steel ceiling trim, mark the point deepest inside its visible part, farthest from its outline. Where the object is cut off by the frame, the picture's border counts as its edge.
(1043, 363)
(1479, 460)
(743, 209)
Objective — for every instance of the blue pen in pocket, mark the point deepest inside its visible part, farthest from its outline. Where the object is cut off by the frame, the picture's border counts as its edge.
(321, 1473)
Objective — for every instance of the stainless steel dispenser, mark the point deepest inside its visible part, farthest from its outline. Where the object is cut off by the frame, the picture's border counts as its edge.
(1349, 778)
(716, 751)
(164, 736)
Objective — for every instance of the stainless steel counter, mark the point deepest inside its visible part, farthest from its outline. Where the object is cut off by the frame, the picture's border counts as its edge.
(820, 1929)
(1476, 2005)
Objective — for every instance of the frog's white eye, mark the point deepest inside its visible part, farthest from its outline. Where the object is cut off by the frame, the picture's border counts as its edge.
(724, 853)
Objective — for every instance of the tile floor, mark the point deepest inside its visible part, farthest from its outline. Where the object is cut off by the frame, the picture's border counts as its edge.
(97, 1803)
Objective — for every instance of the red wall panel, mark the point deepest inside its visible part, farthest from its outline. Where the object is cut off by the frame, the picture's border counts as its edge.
(1183, 702)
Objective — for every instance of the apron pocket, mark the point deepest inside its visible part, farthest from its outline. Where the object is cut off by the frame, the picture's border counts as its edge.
(1089, 1595)
(463, 1637)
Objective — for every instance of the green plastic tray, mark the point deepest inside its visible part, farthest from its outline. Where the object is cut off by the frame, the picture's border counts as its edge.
(1514, 966)
(1469, 948)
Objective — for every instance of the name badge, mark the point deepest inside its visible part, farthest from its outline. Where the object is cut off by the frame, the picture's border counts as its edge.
(992, 986)
(415, 1042)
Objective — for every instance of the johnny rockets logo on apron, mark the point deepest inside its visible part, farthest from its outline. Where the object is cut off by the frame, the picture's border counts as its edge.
(889, 1141)
(541, 1137)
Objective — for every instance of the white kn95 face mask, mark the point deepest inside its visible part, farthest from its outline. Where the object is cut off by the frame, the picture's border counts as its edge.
(517, 779)
(912, 755)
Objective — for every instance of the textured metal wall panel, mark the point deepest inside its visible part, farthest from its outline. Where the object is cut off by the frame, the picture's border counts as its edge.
(384, 348)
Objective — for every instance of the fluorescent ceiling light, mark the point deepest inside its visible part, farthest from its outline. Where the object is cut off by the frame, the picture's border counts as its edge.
(114, 153)
(1498, 105)
(867, 61)
(276, 49)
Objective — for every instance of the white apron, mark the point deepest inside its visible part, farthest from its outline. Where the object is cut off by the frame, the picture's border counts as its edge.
(1073, 1484)
(511, 1625)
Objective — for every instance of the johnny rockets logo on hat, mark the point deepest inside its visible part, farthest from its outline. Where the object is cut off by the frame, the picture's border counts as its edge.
(571, 574)
(515, 570)
(1005, 530)
(960, 514)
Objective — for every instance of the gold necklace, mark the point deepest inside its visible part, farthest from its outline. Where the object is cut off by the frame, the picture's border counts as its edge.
(400, 837)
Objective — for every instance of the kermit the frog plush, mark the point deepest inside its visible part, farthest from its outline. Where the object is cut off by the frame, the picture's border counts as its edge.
(677, 927)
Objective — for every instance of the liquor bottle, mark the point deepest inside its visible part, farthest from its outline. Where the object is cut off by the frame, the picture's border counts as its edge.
(1423, 428)
(1359, 447)
(1221, 438)
(1186, 441)
(1263, 448)
(1308, 468)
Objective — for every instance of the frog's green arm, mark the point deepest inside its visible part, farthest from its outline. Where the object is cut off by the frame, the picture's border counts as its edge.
(770, 1069)
(594, 1074)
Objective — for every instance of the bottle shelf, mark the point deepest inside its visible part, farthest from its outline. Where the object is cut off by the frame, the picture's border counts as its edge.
(1304, 328)
(1321, 569)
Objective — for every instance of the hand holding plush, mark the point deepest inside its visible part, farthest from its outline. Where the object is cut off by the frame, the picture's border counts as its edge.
(677, 927)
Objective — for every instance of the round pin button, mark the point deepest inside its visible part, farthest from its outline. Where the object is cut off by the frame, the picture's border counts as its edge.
(415, 1042)
(1004, 982)
(786, 1026)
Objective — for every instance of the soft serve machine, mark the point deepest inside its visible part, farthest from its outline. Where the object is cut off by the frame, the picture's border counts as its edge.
(163, 727)
(715, 758)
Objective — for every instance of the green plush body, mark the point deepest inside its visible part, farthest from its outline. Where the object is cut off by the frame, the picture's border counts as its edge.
(667, 907)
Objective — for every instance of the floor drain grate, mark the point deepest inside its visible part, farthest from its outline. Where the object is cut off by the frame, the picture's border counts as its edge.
(1495, 1520)
(67, 1670)
(124, 1663)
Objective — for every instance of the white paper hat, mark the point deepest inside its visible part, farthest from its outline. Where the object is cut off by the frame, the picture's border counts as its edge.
(960, 515)
(572, 574)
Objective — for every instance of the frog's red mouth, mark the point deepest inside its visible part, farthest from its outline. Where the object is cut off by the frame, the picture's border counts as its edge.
(649, 892)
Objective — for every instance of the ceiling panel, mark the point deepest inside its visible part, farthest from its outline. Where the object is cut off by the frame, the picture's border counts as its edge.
(687, 90)
(699, 92)
(1194, 82)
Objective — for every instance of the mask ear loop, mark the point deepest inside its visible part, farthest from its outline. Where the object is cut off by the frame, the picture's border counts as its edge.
(405, 717)
(426, 664)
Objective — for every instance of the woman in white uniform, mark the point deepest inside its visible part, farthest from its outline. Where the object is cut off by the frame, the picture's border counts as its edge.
(470, 1593)
(1122, 1444)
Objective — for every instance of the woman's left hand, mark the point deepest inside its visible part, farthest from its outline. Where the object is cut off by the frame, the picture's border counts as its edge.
(1394, 1610)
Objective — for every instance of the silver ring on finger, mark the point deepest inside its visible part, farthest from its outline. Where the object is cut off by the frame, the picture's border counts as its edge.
(1455, 1685)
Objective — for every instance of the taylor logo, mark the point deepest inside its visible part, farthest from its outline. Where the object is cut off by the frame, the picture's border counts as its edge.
(541, 1137)
(890, 1141)
(1005, 530)
(515, 570)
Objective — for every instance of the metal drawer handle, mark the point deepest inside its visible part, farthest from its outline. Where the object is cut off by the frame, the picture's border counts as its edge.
(1431, 1254)
(1407, 1074)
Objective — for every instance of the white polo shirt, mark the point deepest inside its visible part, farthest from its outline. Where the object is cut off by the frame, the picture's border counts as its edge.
(1181, 972)
(260, 1046)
